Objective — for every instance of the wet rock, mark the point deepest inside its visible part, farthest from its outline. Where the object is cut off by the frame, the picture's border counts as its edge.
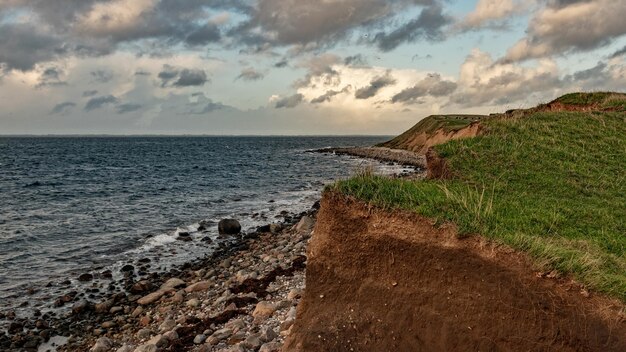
(229, 227)
(85, 277)
(127, 268)
(81, 307)
(103, 344)
(104, 307)
(141, 286)
(15, 327)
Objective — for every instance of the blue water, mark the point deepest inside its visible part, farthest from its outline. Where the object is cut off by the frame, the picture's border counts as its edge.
(80, 204)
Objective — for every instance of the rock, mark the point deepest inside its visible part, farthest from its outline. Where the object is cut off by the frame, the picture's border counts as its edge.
(104, 307)
(173, 283)
(159, 341)
(151, 298)
(85, 277)
(199, 339)
(270, 347)
(145, 321)
(305, 225)
(146, 348)
(229, 227)
(236, 348)
(235, 325)
(194, 302)
(275, 228)
(263, 310)
(252, 342)
(294, 294)
(137, 312)
(268, 334)
(141, 286)
(171, 336)
(125, 348)
(144, 334)
(80, 307)
(167, 325)
(222, 334)
(108, 324)
(103, 344)
(15, 327)
(198, 286)
(115, 310)
(178, 297)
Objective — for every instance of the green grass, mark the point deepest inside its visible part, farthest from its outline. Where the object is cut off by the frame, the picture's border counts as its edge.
(600, 99)
(431, 124)
(552, 184)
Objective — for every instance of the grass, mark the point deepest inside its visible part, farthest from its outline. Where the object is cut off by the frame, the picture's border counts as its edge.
(430, 124)
(552, 184)
(600, 99)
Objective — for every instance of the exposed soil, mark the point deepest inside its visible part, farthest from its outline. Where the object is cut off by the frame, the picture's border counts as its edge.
(391, 281)
(421, 142)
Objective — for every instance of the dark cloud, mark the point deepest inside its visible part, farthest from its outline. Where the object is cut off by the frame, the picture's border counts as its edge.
(172, 76)
(209, 33)
(618, 53)
(281, 64)
(355, 60)
(202, 105)
(191, 78)
(290, 101)
(51, 76)
(99, 102)
(250, 74)
(22, 46)
(432, 85)
(89, 93)
(329, 95)
(375, 86)
(101, 76)
(125, 108)
(142, 73)
(63, 107)
(427, 26)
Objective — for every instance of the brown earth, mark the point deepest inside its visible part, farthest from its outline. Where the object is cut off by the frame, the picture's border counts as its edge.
(421, 142)
(391, 281)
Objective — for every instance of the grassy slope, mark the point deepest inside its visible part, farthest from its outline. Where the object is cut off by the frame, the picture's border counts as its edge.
(430, 124)
(552, 184)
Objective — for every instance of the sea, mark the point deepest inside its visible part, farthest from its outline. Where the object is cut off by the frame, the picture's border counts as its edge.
(76, 205)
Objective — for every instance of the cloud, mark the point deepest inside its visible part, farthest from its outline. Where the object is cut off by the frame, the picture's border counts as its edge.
(483, 81)
(209, 33)
(427, 26)
(126, 108)
(22, 46)
(62, 108)
(355, 60)
(99, 102)
(565, 26)
(375, 86)
(191, 78)
(281, 64)
(250, 74)
(101, 76)
(492, 13)
(432, 85)
(619, 53)
(326, 97)
(172, 76)
(89, 93)
(51, 76)
(290, 101)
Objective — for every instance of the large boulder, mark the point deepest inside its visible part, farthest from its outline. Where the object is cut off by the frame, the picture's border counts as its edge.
(229, 227)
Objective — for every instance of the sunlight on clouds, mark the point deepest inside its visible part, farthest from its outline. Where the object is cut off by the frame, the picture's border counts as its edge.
(115, 16)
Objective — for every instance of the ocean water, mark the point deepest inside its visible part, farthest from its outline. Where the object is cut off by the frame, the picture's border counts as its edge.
(74, 205)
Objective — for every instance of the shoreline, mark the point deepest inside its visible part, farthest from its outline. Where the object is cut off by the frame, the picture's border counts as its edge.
(382, 154)
(198, 297)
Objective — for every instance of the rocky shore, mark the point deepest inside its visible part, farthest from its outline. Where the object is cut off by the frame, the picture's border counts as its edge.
(399, 156)
(241, 298)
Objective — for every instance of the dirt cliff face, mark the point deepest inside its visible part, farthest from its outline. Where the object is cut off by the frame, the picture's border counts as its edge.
(381, 281)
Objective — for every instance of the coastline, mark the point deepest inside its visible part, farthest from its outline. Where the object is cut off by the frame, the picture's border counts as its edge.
(398, 156)
(264, 267)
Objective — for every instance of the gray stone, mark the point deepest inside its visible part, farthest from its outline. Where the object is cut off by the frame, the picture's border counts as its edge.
(103, 344)
(146, 348)
(144, 334)
(268, 334)
(199, 339)
(167, 325)
(222, 334)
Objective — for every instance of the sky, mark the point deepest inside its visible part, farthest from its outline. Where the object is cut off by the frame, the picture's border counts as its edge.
(294, 67)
